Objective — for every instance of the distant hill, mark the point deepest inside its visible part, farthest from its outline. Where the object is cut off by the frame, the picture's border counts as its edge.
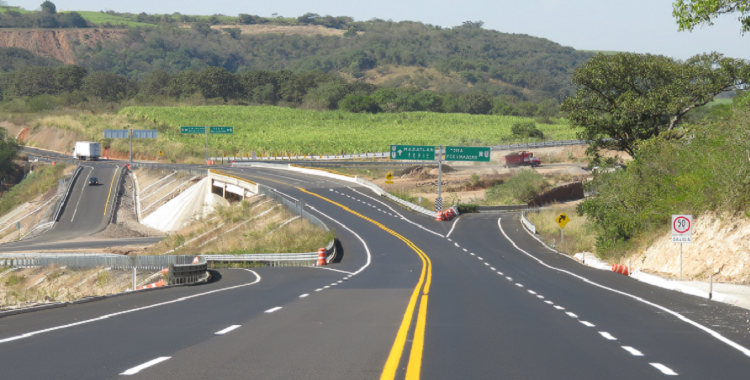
(459, 59)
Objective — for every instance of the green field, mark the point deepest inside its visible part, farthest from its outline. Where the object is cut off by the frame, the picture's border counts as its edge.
(273, 130)
(100, 18)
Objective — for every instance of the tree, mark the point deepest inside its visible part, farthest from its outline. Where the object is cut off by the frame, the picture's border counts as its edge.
(691, 13)
(359, 104)
(155, 83)
(9, 148)
(69, 78)
(107, 86)
(31, 81)
(628, 97)
(217, 82)
(49, 7)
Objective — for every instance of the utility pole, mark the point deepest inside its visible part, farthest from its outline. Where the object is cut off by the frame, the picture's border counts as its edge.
(207, 144)
(130, 133)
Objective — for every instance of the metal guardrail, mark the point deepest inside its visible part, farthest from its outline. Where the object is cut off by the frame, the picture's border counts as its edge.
(491, 209)
(276, 259)
(174, 167)
(65, 196)
(295, 207)
(530, 226)
(96, 261)
(186, 274)
(378, 190)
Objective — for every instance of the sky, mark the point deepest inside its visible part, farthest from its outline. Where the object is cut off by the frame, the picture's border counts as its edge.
(640, 26)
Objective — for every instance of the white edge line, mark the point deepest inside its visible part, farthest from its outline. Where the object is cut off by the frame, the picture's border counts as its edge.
(367, 249)
(226, 330)
(145, 365)
(679, 316)
(30, 334)
(452, 227)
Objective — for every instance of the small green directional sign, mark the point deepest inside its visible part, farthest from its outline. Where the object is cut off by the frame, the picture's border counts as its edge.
(413, 152)
(186, 130)
(222, 130)
(467, 153)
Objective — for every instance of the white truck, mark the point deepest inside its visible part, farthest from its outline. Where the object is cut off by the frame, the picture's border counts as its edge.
(87, 150)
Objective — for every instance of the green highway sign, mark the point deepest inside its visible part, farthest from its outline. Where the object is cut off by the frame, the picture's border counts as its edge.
(185, 130)
(222, 130)
(413, 152)
(467, 153)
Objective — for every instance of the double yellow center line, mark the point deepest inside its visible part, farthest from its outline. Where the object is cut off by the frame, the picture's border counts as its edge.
(422, 290)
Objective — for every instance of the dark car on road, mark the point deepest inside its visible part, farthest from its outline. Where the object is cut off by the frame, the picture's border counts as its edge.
(93, 181)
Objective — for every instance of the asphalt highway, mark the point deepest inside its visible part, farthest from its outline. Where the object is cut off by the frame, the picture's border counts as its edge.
(477, 298)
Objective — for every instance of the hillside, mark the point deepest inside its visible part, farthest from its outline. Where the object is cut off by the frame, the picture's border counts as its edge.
(520, 66)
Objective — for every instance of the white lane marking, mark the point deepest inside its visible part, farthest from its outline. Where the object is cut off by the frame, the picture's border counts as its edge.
(457, 245)
(466, 250)
(639, 299)
(339, 281)
(367, 249)
(331, 190)
(487, 264)
(473, 254)
(333, 284)
(335, 270)
(226, 330)
(549, 302)
(29, 334)
(571, 315)
(479, 258)
(269, 311)
(91, 169)
(607, 335)
(500, 273)
(396, 212)
(286, 195)
(531, 291)
(145, 365)
(509, 279)
(304, 295)
(632, 351)
(452, 227)
(449, 239)
(559, 307)
(664, 369)
(318, 289)
(492, 268)
(519, 285)
(326, 287)
(541, 297)
(587, 324)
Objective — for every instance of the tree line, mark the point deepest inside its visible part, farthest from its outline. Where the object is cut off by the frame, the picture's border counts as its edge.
(49, 87)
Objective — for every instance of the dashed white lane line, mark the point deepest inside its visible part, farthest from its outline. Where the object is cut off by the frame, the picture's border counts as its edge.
(326, 287)
(541, 297)
(587, 324)
(456, 244)
(145, 365)
(559, 307)
(318, 289)
(449, 239)
(277, 308)
(632, 351)
(473, 254)
(479, 258)
(466, 250)
(492, 268)
(226, 330)
(304, 295)
(500, 273)
(339, 281)
(519, 285)
(333, 284)
(607, 335)
(664, 369)
(487, 264)
(571, 314)
(549, 302)
(509, 279)
(531, 291)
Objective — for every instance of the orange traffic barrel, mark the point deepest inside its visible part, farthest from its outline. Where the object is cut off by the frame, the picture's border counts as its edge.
(621, 269)
(439, 217)
(322, 256)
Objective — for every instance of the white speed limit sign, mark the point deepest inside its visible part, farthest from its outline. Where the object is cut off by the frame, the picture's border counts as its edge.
(682, 229)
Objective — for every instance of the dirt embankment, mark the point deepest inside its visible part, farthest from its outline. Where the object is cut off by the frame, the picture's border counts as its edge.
(57, 43)
(721, 246)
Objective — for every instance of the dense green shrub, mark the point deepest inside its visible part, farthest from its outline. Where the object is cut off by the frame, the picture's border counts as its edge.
(519, 189)
(525, 130)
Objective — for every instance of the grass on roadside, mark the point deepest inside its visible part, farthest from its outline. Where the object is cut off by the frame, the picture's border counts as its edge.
(579, 235)
(519, 189)
(44, 178)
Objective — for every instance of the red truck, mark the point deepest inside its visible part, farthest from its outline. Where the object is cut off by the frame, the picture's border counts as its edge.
(521, 158)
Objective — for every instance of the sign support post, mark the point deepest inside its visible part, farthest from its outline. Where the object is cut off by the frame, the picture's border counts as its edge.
(130, 154)
(440, 174)
(682, 232)
(206, 128)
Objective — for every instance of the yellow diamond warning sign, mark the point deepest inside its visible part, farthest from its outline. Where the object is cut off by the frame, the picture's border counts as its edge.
(562, 220)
